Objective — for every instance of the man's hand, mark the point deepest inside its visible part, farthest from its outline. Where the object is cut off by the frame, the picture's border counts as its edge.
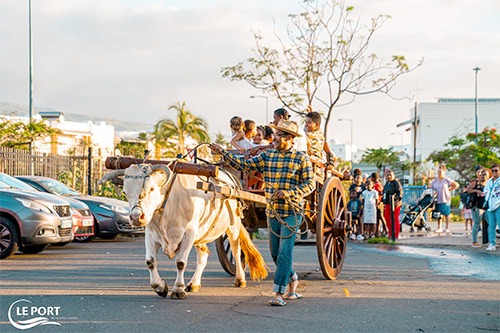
(215, 148)
(282, 194)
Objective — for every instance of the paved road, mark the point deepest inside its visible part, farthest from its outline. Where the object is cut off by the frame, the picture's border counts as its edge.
(103, 287)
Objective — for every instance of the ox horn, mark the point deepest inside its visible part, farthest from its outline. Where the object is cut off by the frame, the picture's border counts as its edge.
(163, 168)
(111, 175)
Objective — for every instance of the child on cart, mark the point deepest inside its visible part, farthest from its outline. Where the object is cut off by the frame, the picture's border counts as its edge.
(317, 148)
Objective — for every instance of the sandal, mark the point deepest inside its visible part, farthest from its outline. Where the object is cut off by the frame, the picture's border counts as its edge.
(292, 296)
(277, 302)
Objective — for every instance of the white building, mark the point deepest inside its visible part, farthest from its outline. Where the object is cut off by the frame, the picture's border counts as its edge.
(438, 122)
(74, 137)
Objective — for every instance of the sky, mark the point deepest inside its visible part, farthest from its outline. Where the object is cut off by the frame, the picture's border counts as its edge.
(132, 59)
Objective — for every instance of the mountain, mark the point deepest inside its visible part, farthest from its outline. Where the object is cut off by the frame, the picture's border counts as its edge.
(11, 109)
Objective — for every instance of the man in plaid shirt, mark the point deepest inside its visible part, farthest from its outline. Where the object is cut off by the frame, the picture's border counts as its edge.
(289, 178)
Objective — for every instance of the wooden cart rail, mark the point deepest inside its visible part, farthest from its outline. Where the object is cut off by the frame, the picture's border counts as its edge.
(231, 193)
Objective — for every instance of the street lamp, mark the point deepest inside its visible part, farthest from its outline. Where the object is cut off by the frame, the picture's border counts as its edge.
(477, 69)
(31, 87)
(267, 105)
(352, 154)
(394, 133)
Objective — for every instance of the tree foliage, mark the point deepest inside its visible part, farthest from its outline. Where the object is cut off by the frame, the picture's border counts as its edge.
(184, 125)
(324, 59)
(221, 140)
(18, 134)
(462, 154)
(380, 157)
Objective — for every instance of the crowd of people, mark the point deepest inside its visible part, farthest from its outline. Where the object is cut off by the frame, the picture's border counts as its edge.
(286, 158)
(370, 205)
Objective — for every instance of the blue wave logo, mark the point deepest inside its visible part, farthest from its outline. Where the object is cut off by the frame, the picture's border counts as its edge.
(25, 311)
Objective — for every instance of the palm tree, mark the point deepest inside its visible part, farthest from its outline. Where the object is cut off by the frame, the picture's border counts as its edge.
(221, 140)
(186, 124)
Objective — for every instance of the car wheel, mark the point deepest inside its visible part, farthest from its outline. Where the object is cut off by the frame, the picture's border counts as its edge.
(83, 239)
(9, 238)
(33, 249)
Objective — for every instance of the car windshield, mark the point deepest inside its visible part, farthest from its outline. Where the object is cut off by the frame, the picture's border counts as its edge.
(7, 181)
(56, 187)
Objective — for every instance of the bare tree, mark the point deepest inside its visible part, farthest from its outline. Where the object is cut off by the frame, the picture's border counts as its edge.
(325, 59)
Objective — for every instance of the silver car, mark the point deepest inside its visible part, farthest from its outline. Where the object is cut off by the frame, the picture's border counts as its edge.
(30, 220)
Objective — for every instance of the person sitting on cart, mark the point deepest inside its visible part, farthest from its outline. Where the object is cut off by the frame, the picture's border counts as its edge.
(288, 176)
(317, 147)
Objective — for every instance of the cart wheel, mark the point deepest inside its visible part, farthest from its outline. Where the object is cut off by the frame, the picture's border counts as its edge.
(225, 255)
(332, 228)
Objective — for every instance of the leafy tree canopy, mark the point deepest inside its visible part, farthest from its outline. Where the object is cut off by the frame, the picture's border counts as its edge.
(380, 157)
(463, 154)
(18, 134)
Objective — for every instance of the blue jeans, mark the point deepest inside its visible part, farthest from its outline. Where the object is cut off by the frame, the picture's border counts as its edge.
(281, 243)
(477, 215)
(493, 218)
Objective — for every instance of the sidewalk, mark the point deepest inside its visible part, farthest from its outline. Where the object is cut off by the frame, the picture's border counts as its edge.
(458, 237)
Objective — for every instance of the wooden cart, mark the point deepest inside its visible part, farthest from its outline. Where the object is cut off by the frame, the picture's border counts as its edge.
(326, 213)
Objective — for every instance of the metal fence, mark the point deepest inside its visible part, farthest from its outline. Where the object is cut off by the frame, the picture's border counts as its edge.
(71, 170)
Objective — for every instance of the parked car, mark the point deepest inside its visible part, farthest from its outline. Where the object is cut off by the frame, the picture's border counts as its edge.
(111, 216)
(30, 220)
(83, 221)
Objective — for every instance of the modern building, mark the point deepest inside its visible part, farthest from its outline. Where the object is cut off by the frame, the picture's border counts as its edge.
(437, 122)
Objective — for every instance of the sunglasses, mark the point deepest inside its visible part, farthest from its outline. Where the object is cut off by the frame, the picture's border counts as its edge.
(494, 170)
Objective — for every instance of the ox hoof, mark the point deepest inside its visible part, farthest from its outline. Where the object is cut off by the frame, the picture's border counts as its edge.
(162, 291)
(190, 288)
(178, 294)
(240, 284)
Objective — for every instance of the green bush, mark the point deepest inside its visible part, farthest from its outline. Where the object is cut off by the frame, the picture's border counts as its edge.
(455, 201)
(109, 190)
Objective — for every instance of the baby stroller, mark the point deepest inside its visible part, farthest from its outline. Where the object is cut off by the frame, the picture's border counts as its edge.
(416, 216)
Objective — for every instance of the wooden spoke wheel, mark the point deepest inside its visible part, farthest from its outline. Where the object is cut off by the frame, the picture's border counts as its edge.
(331, 228)
(225, 255)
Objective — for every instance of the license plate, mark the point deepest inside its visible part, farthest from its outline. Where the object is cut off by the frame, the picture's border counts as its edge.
(66, 224)
(88, 222)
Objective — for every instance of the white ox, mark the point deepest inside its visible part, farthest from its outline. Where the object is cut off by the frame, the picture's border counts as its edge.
(178, 216)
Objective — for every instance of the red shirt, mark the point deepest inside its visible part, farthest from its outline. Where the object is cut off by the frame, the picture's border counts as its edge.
(377, 186)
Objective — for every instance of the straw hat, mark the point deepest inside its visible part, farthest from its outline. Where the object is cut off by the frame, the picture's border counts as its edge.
(287, 126)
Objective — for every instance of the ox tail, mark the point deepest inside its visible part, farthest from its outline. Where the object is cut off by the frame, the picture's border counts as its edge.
(258, 267)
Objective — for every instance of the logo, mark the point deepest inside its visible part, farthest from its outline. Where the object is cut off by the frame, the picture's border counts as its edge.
(35, 315)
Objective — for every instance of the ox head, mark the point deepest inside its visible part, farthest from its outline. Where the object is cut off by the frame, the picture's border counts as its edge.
(144, 186)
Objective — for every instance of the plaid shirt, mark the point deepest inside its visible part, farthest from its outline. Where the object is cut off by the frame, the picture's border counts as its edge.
(290, 171)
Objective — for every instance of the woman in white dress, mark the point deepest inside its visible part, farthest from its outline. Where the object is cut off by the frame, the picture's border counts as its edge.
(370, 202)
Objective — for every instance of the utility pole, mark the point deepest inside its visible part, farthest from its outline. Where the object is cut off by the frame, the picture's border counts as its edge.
(477, 69)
